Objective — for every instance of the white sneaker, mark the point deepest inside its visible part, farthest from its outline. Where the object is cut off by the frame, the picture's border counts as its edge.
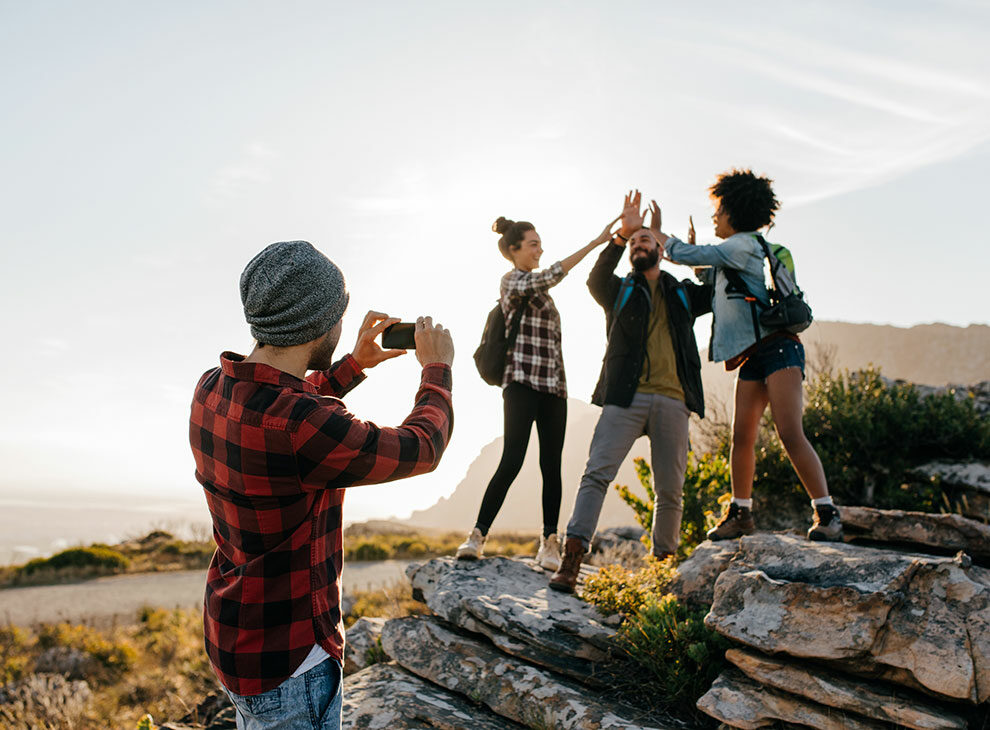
(548, 556)
(471, 548)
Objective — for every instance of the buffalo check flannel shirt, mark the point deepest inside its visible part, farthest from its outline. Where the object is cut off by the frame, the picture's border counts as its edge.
(536, 358)
(274, 454)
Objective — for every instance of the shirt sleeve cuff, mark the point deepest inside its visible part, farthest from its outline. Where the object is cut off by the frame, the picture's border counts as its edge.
(438, 374)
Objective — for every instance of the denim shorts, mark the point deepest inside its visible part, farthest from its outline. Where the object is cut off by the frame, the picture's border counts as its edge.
(771, 357)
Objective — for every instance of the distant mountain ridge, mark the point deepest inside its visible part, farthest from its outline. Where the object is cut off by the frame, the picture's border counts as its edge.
(931, 354)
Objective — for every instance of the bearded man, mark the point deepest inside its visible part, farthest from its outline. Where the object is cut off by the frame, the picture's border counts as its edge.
(649, 383)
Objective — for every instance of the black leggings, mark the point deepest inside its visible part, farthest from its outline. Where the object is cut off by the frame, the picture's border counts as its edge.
(522, 406)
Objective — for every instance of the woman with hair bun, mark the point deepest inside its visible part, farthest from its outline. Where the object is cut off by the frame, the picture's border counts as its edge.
(534, 389)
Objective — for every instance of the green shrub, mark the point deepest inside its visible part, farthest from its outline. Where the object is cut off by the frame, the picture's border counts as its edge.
(868, 433)
(667, 648)
(375, 654)
(706, 481)
(615, 589)
(115, 657)
(96, 557)
(368, 551)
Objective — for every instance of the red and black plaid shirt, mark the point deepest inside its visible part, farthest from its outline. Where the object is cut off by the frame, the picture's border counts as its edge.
(273, 454)
(536, 358)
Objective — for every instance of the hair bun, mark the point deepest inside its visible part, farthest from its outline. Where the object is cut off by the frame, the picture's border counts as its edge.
(502, 224)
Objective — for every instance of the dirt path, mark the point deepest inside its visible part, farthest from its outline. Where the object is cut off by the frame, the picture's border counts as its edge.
(119, 598)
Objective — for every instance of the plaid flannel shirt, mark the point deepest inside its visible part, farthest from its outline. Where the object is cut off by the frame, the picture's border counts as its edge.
(273, 454)
(536, 358)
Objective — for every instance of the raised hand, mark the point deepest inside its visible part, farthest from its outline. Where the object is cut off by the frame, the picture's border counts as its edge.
(632, 220)
(692, 237)
(433, 342)
(606, 234)
(656, 218)
(367, 352)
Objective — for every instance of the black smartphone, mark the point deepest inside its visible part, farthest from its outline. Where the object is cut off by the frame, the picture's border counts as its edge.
(399, 336)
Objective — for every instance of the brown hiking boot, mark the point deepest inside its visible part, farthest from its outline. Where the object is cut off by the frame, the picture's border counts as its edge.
(735, 522)
(565, 579)
(826, 526)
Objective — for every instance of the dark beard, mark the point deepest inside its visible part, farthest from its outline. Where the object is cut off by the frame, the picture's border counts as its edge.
(646, 261)
(322, 357)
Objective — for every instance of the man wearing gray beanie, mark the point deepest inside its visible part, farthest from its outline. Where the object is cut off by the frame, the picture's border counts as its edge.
(275, 449)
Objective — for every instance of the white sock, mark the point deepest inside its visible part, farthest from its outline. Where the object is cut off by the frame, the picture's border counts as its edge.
(822, 500)
(747, 503)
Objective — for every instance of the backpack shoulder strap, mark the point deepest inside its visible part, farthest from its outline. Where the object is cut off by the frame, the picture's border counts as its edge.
(625, 291)
(738, 285)
(516, 323)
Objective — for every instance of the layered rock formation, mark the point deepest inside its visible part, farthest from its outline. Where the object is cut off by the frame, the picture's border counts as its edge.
(499, 644)
(841, 635)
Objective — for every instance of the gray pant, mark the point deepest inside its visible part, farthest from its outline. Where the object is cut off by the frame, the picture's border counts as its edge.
(665, 421)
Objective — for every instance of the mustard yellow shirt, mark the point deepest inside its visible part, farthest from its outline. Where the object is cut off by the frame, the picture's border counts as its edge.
(659, 365)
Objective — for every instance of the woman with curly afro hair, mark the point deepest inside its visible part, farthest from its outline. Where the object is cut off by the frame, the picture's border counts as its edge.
(770, 363)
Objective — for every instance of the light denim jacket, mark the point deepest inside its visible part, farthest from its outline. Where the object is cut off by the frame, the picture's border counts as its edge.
(732, 324)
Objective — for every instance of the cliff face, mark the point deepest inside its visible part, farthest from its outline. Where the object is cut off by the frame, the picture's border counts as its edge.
(934, 354)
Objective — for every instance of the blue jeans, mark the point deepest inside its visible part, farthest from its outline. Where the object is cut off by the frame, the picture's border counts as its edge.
(311, 701)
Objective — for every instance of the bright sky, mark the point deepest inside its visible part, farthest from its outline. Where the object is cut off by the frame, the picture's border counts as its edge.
(149, 150)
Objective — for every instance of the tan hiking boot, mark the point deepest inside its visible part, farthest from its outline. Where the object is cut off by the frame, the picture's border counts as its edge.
(827, 525)
(548, 556)
(565, 579)
(472, 548)
(736, 521)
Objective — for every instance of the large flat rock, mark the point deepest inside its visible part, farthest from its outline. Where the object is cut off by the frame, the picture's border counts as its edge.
(922, 530)
(387, 697)
(510, 602)
(696, 576)
(510, 686)
(915, 620)
(863, 697)
(740, 702)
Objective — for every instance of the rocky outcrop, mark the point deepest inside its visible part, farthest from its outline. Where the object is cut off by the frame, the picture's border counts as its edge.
(387, 697)
(881, 636)
(617, 545)
(916, 620)
(363, 646)
(511, 687)
(509, 602)
(739, 702)
(832, 689)
(947, 533)
(696, 576)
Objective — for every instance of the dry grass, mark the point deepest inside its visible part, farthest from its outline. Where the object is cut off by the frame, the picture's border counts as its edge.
(157, 666)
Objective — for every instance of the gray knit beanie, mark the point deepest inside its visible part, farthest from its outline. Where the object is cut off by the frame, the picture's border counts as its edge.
(292, 294)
